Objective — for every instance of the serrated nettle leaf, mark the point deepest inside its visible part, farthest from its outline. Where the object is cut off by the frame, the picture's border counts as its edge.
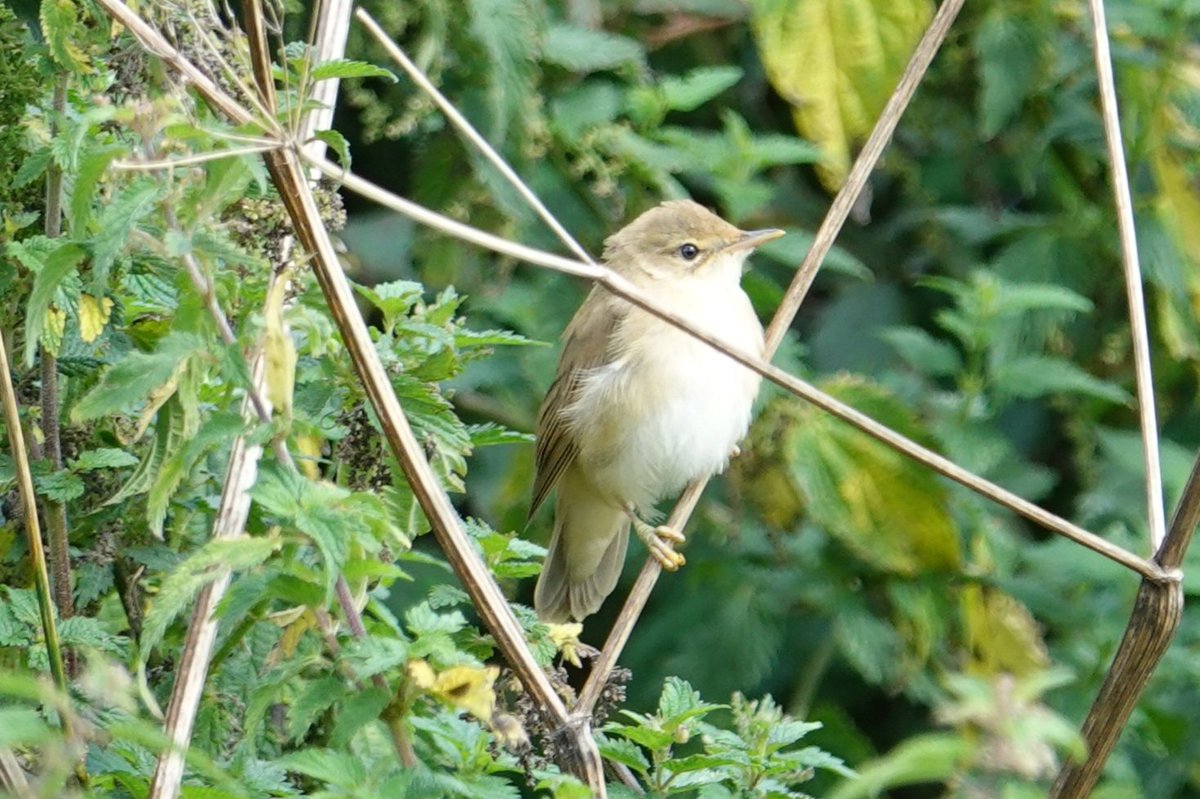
(490, 434)
(585, 50)
(622, 750)
(178, 591)
(61, 24)
(594, 103)
(394, 299)
(32, 168)
(225, 181)
(117, 223)
(336, 768)
(104, 458)
(652, 739)
(344, 68)
(92, 167)
(313, 701)
(61, 486)
(52, 269)
(216, 431)
(423, 620)
(355, 712)
(374, 655)
(131, 379)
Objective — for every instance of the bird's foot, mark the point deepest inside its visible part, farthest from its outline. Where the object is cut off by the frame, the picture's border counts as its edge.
(660, 540)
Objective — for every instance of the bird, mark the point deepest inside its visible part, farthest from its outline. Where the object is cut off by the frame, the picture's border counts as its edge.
(639, 408)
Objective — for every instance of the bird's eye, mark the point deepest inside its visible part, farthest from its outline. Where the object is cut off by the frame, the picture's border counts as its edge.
(689, 251)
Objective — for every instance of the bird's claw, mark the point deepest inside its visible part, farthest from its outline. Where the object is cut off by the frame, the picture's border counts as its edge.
(661, 542)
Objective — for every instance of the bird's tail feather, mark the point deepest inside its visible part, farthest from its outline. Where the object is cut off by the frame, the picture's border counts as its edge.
(587, 552)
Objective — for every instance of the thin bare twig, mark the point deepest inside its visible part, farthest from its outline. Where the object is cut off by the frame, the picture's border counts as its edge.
(33, 532)
(1133, 275)
(468, 130)
(838, 212)
(192, 160)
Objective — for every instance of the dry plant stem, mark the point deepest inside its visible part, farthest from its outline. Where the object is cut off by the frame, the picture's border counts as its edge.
(906, 87)
(37, 556)
(1133, 274)
(57, 537)
(468, 130)
(1157, 612)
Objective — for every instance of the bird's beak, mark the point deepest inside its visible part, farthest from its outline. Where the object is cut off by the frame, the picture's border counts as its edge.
(754, 238)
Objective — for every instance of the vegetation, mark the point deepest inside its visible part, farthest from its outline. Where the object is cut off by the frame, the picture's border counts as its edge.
(847, 623)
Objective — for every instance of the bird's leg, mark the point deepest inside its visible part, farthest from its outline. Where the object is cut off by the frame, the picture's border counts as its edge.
(659, 540)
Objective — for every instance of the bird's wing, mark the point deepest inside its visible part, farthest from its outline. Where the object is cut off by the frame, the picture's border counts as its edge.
(585, 347)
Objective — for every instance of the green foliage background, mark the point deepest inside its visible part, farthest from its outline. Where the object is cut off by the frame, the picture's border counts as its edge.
(974, 304)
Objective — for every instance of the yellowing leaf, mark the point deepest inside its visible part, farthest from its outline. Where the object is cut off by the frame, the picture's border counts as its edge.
(1002, 636)
(889, 510)
(469, 688)
(836, 62)
(279, 351)
(309, 447)
(52, 330)
(93, 316)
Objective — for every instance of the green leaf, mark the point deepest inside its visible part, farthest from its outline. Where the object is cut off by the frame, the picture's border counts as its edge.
(490, 434)
(327, 765)
(507, 30)
(586, 50)
(131, 379)
(316, 698)
(621, 750)
(178, 591)
(116, 225)
(933, 757)
(92, 167)
(923, 352)
(698, 86)
(61, 486)
(679, 702)
(345, 68)
(105, 458)
(648, 737)
(23, 727)
(336, 142)
(217, 430)
(1037, 376)
(52, 270)
(374, 655)
(357, 711)
(1008, 54)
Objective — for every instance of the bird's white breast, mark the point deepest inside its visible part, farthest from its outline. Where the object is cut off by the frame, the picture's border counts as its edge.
(671, 408)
